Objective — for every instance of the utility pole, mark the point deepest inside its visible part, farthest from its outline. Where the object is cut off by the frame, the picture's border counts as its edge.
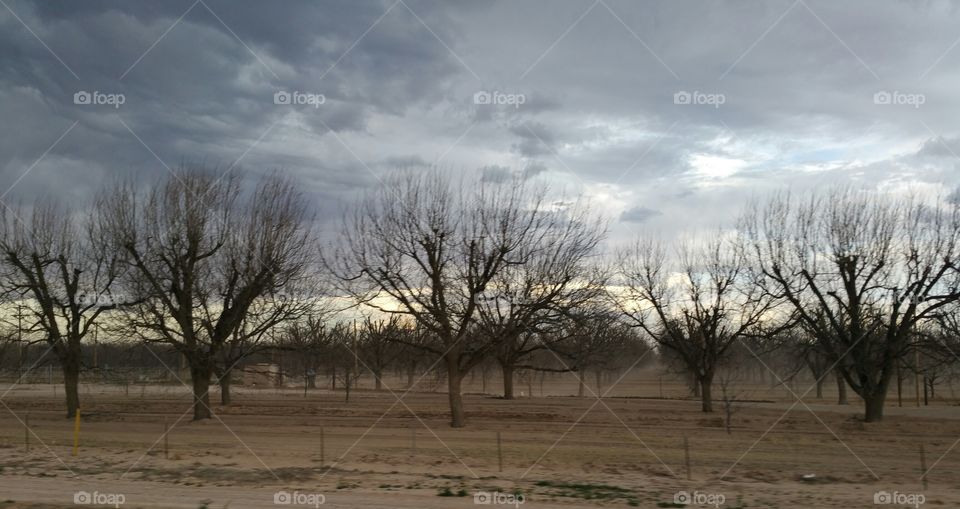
(356, 357)
(19, 341)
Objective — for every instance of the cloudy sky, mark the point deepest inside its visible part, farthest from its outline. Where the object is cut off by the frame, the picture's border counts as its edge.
(668, 114)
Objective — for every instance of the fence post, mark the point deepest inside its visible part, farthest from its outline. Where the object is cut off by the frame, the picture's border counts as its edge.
(322, 447)
(923, 466)
(26, 432)
(413, 441)
(166, 439)
(76, 434)
(686, 456)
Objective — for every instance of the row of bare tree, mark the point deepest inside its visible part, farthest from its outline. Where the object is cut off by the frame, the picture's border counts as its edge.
(466, 271)
(196, 261)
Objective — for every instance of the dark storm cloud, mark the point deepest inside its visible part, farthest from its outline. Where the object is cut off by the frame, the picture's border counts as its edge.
(200, 93)
(782, 93)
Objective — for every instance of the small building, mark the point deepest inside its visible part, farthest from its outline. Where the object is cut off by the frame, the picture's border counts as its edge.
(264, 374)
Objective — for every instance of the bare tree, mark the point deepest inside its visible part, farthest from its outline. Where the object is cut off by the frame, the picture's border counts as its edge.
(309, 338)
(556, 276)
(201, 260)
(593, 338)
(256, 333)
(422, 247)
(860, 271)
(380, 343)
(62, 270)
(696, 304)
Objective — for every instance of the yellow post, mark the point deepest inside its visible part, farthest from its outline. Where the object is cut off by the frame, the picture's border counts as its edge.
(76, 434)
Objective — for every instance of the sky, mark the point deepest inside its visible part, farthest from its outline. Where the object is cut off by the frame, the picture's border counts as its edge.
(668, 115)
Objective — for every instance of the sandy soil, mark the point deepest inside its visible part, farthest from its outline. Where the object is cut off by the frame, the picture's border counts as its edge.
(558, 451)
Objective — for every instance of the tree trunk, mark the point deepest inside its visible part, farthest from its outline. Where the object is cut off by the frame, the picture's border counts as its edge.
(71, 384)
(200, 376)
(899, 386)
(581, 387)
(454, 377)
(225, 383)
(694, 386)
(706, 401)
(410, 374)
(378, 380)
(599, 376)
(841, 389)
(874, 407)
(820, 388)
(507, 370)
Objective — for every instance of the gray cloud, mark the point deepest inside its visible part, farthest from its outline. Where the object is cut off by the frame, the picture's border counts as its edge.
(599, 115)
(495, 174)
(639, 214)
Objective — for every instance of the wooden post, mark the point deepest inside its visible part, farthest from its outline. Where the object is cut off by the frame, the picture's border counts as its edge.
(413, 441)
(923, 466)
(26, 432)
(322, 447)
(499, 452)
(76, 434)
(166, 439)
(686, 457)
(916, 378)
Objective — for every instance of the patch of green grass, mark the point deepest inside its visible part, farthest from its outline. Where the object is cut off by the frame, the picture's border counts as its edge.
(588, 491)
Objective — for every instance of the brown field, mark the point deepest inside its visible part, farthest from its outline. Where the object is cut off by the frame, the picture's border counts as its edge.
(393, 449)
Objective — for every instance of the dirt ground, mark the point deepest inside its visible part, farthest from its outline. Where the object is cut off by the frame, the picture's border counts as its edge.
(389, 449)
